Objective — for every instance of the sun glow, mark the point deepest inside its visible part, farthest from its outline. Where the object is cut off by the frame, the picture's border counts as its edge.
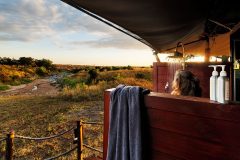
(165, 58)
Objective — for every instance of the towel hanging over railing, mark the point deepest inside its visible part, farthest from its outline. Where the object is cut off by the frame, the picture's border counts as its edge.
(125, 130)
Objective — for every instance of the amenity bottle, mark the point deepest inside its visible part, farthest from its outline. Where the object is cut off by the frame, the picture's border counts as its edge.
(223, 86)
(213, 83)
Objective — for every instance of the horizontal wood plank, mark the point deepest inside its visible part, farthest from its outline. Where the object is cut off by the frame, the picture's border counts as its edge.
(190, 148)
(187, 128)
(201, 107)
(210, 130)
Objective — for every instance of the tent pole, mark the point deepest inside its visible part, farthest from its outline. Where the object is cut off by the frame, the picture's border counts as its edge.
(156, 56)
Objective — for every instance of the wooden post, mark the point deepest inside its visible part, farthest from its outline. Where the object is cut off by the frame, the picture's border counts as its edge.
(79, 140)
(156, 56)
(207, 51)
(9, 146)
(106, 122)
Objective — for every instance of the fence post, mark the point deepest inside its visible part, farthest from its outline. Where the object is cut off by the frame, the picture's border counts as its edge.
(9, 146)
(80, 140)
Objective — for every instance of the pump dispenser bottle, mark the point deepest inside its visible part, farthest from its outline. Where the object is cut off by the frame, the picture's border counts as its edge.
(213, 83)
(223, 86)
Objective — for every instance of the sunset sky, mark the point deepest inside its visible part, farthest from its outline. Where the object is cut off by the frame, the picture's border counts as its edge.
(54, 30)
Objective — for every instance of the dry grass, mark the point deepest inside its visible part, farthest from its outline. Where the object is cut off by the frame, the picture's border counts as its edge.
(15, 75)
(107, 79)
(42, 116)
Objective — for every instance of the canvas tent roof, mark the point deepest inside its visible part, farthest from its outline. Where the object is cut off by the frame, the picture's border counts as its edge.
(161, 24)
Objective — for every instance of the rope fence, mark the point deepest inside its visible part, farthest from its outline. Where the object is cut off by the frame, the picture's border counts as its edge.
(94, 123)
(2, 139)
(78, 139)
(63, 154)
(44, 138)
(89, 147)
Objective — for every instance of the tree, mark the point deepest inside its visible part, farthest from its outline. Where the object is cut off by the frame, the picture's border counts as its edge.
(92, 75)
(45, 63)
(8, 61)
(26, 61)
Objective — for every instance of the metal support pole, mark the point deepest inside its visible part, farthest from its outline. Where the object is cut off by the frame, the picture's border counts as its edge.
(156, 56)
(9, 146)
(79, 140)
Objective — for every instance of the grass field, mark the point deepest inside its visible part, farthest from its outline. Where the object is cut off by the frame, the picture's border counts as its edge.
(41, 116)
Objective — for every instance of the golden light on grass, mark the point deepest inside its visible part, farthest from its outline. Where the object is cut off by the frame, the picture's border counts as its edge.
(41, 116)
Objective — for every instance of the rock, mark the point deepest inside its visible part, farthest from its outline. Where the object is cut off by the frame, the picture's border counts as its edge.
(34, 88)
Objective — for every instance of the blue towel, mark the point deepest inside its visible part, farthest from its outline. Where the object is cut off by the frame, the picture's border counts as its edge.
(125, 137)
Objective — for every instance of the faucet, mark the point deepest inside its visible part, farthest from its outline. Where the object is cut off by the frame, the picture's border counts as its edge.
(177, 55)
(182, 54)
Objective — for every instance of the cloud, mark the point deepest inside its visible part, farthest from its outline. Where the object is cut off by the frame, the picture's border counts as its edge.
(1, 19)
(33, 20)
(119, 42)
(26, 20)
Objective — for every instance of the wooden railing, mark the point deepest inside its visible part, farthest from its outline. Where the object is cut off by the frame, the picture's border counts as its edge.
(78, 140)
(190, 128)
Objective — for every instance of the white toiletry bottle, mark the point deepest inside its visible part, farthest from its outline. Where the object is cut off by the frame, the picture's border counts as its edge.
(223, 86)
(213, 83)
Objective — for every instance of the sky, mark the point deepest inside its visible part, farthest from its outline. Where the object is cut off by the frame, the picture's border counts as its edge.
(54, 30)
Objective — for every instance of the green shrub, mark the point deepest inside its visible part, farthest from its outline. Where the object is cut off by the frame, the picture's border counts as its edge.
(4, 87)
(44, 63)
(108, 68)
(129, 67)
(93, 74)
(68, 82)
(84, 92)
(114, 68)
(76, 70)
(26, 61)
(140, 76)
(25, 80)
(42, 71)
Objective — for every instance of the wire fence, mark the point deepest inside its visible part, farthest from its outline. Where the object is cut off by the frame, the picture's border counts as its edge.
(78, 140)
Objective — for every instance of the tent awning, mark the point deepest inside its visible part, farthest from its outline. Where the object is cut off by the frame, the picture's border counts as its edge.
(161, 24)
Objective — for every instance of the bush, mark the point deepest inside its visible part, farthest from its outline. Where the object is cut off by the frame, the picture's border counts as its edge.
(84, 92)
(67, 82)
(4, 87)
(108, 68)
(26, 61)
(44, 63)
(114, 68)
(129, 67)
(140, 76)
(102, 69)
(76, 70)
(42, 71)
(92, 76)
(25, 80)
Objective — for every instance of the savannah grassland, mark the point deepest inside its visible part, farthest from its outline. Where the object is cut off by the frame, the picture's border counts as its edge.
(79, 96)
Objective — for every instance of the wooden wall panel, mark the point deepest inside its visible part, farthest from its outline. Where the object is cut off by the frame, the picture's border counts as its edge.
(164, 72)
(106, 122)
(188, 128)
(196, 127)
(190, 148)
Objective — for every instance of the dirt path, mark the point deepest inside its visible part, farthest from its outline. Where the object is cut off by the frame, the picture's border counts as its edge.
(37, 87)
